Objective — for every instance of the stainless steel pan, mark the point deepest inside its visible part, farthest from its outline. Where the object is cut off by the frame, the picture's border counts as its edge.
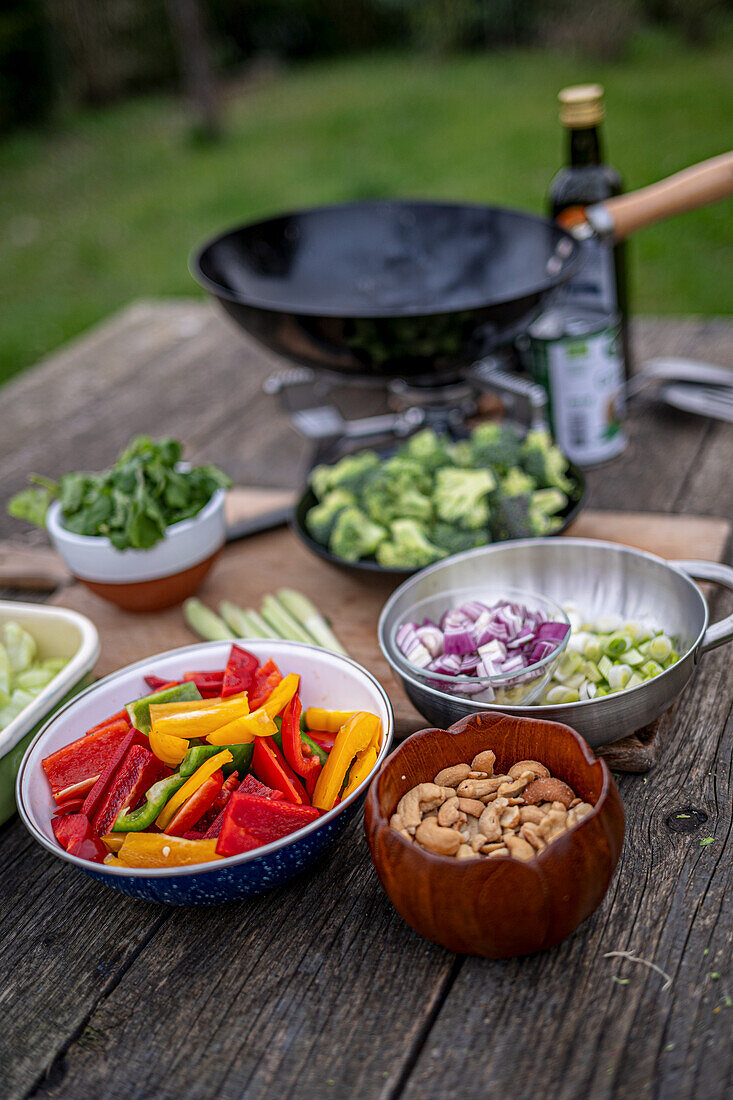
(599, 578)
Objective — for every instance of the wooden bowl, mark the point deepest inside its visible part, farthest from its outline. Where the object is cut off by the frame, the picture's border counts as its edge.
(499, 907)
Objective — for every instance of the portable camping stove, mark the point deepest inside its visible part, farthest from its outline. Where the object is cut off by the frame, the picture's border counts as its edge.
(314, 403)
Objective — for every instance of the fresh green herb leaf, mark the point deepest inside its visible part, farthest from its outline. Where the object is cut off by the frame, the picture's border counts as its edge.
(707, 840)
(133, 502)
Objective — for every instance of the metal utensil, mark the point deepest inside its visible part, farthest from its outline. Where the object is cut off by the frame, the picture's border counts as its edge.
(599, 578)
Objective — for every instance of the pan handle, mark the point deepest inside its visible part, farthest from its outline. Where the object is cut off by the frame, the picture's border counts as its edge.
(697, 186)
(721, 632)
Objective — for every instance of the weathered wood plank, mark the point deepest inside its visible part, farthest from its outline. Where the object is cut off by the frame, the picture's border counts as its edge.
(316, 988)
(64, 941)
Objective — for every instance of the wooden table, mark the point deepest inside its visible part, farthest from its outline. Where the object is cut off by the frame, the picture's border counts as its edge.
(318, 989)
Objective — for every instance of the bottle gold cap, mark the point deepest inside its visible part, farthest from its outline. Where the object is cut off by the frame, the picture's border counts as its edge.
(581, 105)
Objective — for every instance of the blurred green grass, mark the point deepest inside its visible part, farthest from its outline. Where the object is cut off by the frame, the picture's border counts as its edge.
(106, 208)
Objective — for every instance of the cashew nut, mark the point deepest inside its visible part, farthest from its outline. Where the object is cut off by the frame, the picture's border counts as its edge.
(479, 788)
(531, 814)
(451, 777)
(449, 814)
(444, 842)
(465, 852)
(537, 770)
(509, 818)
(484, 762)
(398, 824)
(488, 823)
(471, 806)
(514, 787)
(529, 833)
(413, 805)
(518, 848)
(499, 853)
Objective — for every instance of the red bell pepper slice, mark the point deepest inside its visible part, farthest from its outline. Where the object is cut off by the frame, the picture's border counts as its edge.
(250, 821)
(71, 828)
(157, 683)
(264, 682)
(249, 785)
(120, 716)
(239, 673)
(208, 683)
(138, 771)
(68, 806)
(271, 767)
(96, 794)
(194, 808)
(74, 769)
(312, 779)
(293, 745)
(90, 848)
(324, 740)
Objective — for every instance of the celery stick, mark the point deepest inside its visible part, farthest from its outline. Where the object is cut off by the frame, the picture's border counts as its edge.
(205, 623)
(308, 615)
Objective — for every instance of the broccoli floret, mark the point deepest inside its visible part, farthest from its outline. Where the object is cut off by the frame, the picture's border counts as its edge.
(321, 519)
(454, 540)
(549, 501)
(461, 497)
(427, 448)
(352, 473)
(495, 445)
(404, 473)
(408, 547)
(516, 482)
(545, 462)
(383, 505)
(462, 454)
(523, 516)
(355, 536)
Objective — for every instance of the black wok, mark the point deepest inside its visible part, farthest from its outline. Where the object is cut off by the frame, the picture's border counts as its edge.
(387, 289)
(416, 289)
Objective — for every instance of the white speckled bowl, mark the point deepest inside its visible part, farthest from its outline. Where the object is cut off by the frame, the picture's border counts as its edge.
(327, 680)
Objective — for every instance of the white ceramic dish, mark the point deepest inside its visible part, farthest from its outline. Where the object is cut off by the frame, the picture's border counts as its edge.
(58, 633)
(94, 558)
(327, 680)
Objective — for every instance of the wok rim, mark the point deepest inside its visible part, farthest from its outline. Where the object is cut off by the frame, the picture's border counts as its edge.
(569, 268)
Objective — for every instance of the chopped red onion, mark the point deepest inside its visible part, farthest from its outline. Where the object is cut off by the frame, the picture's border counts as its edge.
(479, 642)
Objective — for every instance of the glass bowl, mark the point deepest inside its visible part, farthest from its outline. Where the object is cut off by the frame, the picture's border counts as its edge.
(513, 688)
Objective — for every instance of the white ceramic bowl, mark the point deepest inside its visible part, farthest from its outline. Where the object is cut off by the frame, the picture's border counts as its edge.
(58, 633)
(327, 680)
(145, 580)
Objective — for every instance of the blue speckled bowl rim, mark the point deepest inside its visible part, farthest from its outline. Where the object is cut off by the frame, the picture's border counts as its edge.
(213, 865)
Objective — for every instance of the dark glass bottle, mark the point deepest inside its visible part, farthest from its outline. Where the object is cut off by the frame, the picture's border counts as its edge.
(600, 284)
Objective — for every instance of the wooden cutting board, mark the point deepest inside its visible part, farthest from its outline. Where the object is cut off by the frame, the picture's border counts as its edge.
(247, 570)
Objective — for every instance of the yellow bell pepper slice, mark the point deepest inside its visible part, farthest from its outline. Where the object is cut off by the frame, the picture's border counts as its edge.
(360, 769)
(356, 735)
(159, 850)
(112, 841)
(199, 717)
(171, 750)
(260, 723)
(330, 721)
(192, 784)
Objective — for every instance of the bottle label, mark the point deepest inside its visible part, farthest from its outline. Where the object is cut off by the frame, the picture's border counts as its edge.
(584, 378)
(594, 284)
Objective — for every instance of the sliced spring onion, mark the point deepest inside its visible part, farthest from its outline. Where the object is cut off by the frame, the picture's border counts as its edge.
(660, 647)
(619, 676)
(283, 622)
